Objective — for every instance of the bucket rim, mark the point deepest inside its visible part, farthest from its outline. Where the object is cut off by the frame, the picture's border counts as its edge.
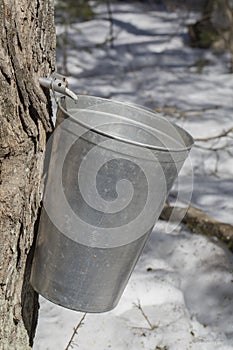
(182, 132)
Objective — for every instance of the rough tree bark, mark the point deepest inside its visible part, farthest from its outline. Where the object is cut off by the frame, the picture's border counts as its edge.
(27, 51)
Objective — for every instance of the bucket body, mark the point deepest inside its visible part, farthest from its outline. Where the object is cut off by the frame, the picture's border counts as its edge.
(111, 168)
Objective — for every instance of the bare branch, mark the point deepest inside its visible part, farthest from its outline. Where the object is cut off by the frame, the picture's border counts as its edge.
(139, 307)
(199, 222)
(184, 114)
(75, 332)
(214, 149)
(222, 134)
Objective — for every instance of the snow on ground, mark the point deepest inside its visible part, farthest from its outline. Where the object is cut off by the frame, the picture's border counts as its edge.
(184, 285)
(183, 282)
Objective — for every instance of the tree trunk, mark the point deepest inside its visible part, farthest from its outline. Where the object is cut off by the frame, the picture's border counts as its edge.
(27, 51)
(215, 29)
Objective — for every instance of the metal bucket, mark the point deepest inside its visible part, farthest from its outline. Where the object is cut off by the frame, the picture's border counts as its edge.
(111, 168)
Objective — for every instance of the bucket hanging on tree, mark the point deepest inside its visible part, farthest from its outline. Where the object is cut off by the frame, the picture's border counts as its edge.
(111, 168)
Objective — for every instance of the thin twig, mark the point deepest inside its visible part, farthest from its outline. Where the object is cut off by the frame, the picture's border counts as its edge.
(187, 113)
(139, 307)
(222, 134)
(214, 149)
(75, 332)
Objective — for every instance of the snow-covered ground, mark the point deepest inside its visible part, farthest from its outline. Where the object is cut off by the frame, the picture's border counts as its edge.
(183, 282)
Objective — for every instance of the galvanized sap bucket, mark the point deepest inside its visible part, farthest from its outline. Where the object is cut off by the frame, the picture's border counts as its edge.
(111, 168)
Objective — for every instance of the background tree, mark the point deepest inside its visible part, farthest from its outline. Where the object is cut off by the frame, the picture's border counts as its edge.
(69, 12)
(27, 51)
(215, 28)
